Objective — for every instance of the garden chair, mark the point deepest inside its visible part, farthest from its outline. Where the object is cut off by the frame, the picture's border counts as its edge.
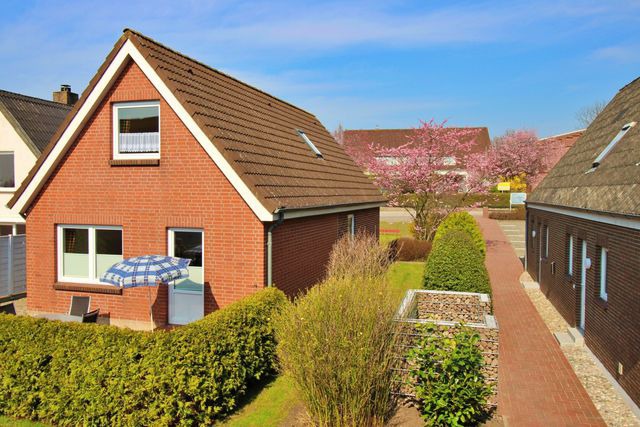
(8, 309)
(79, 306)
(91, 317)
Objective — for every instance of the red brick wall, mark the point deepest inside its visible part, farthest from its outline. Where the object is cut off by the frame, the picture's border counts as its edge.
(301, 246)
(611, 328)
(185, 190)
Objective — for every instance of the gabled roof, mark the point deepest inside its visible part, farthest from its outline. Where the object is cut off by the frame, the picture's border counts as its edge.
(34, 119)
(360, 139)
(566, 139)
(252, 136)
(614, 187)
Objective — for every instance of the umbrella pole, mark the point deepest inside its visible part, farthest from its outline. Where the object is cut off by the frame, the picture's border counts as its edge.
(150, 308)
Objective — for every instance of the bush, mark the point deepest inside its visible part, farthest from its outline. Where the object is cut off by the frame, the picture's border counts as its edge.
(359, 256)
(82, 374)
(338, 343)
(455, 264)
(462, 221)
(408, 249)
(447, 376)
(505, 215)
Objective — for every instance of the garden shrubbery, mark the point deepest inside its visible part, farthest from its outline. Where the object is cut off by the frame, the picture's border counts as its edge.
(339, 341)
(81, 374)
(456, 264)
(461, 221)
(409, 249)
(519, 214)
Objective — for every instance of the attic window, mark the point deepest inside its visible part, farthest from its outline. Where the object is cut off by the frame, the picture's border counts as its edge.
(610, 146)
(136, 128)
(306, 139)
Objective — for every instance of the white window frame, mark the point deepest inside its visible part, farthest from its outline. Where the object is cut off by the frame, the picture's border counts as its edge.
(171, 240)
(14, 188)
(92, 252)
(570, 256)
(546, 241)
(351, 224)
(604, 254)
(116, 131)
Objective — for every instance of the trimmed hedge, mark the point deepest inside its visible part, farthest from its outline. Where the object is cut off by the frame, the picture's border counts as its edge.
(519, 214)
(461, 221)
(456, 264)
(83, 374)
(409, 249)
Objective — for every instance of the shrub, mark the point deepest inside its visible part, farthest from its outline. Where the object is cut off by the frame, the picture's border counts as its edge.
(455, 264)
(447, 376)
(408, 249)
(338, 343)
(359, 256)
(82, 374)
(514, 214)
(462, 221)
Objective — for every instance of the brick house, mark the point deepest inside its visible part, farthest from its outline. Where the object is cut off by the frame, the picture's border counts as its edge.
(165, 155)
(583, 237)
(26, 127)
(555, 146)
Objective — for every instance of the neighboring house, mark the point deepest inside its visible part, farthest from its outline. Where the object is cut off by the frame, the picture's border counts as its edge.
(358, 142)
(26, 126)
(164, 155)
(555, 146)
(583, 237)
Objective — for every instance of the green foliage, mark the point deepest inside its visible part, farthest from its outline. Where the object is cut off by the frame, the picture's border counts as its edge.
(447, 376)
(515, 214)
(461, 221)
(455, 264)
(338, 343)
(83, 374)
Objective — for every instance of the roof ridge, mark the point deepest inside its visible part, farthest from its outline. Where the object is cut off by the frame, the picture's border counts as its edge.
(215, 70)
(563, 134)
(34, 99)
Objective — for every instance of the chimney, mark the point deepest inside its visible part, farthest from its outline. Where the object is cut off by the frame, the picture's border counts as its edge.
(65, 96)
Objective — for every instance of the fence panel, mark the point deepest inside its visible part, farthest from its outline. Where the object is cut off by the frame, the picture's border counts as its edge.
(12, 265)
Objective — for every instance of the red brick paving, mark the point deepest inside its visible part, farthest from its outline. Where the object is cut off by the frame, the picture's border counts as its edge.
(536, 384)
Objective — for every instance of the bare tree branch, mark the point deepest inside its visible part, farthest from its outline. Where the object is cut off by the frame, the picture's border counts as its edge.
(587, 114)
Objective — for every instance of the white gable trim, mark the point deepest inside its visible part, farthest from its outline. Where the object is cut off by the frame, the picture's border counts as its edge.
(589, 216)
(93, 100)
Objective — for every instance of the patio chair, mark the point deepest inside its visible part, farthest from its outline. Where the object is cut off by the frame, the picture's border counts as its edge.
(79, 305)
(91, 317)
(8, 309)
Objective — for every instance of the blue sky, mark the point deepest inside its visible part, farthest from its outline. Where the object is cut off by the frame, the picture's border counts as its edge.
(501, 64)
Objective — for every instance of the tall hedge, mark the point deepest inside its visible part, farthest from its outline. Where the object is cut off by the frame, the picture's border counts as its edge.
(82, 374)
(461, 221)
(456, 264)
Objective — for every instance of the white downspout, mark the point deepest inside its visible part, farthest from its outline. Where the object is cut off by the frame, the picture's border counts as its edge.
(272, 227)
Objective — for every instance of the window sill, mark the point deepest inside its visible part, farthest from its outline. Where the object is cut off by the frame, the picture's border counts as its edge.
(7, 189)
(85, 287)
(134, 162)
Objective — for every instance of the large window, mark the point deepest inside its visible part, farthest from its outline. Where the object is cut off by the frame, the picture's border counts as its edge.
(7, 172)
(188, 243)
(603, 273)
(136, 130)
(85, 252)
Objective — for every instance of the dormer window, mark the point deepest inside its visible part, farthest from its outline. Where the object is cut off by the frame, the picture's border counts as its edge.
(311, 145)
(610, 146)
(136, 127)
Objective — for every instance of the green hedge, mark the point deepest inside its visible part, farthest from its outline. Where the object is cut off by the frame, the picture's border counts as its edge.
(456, 264)
(82, 374)
(461, 221)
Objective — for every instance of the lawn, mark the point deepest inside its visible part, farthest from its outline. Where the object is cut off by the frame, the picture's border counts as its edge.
(392, 230)
(10, 422)
(403, 276)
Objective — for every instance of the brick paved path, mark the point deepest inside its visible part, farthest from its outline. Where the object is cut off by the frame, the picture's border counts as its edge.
(536, 384)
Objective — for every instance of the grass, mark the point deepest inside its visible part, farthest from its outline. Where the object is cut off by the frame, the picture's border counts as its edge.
(269, 406)
(10, 422)
(401, 227)
(403, 276)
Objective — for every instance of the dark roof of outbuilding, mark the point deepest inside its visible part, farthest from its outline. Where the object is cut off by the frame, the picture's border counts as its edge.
(35, 119)
(614, 186)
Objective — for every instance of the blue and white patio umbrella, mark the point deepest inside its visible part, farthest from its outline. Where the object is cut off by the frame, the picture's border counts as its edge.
(146, 270)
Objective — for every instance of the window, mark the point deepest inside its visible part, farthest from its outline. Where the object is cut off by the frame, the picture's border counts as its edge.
(306, 139)
(570, 255)
(546, 241)
(603, 273)
(85, 252)
(7, 177)
(610, 146)
(188, 243)
(136, 128)
(449, 161)
(351, 224)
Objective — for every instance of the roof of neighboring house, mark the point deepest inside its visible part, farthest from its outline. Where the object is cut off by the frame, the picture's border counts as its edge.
(360, 139)
(614, 186)
(567, 139)
(35, 119)
(255, 132)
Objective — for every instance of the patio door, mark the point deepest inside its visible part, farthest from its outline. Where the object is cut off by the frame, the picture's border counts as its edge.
(583, 283)
(186, 296)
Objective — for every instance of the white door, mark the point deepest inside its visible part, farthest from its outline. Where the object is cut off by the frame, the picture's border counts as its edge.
(186, 296)
(583, 283)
